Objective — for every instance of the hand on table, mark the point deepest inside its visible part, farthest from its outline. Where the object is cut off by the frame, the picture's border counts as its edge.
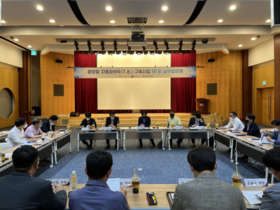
(142, 124)
(269, 139)
(123, 191)
(193, 125)
(263, 132)
(57, 188)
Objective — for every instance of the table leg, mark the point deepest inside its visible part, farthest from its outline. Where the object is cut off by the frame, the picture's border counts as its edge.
(124, 140)
(78, 140)
(55, 150)
(117, 140)
(231, 150)
(236, 155)
(266, 173)
(169, 140)
(52, 158)
(70, 148)
(272, 179)
(214, 144)
(162, 139)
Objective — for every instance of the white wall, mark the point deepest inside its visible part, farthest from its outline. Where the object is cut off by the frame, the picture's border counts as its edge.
(261, 53)
(134, 60)
(10, 55)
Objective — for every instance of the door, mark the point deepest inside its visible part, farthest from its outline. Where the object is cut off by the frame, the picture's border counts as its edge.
(267, 106)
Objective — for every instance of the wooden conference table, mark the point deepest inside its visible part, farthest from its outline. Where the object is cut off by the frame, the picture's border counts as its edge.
(3, 135)
(139, 201)
(45, 149)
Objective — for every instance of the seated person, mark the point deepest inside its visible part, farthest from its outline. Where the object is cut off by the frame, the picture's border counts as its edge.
(146, 122)
(251, 129)
(88, 122)
(111, 121)
(275, 138)
(96, 194)
(175, 121)
(206, 191)
(34, 130)
(20, 190)
(271, 196)
(15, 136)
(235, 124)
(197, 121)
(49, 125)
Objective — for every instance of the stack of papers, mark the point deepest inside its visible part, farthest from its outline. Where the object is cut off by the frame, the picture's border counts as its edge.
(253, 197)
(264, 141)
(114, 184)
(8, 155)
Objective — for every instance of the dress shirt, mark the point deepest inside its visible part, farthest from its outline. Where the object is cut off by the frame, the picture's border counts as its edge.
(97, 195)
(175, 121)
(196, 122)
(112, 121)
(15, 136)
(31, 131)
(235, 124)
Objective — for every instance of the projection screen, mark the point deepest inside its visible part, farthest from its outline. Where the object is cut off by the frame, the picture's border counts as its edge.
(133, 93)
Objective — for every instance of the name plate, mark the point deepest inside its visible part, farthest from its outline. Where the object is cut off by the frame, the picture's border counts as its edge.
(184, 180)
(140, 127)
(255, 183)
(179, 127)
(125, 183)
(59, 181)
(108, 128)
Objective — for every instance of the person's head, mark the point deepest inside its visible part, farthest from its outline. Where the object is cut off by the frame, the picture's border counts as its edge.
(202, 159)
(99, 165)
(112, 114)
(36, 123)
(172, 113)
(232, 115)
(198, 116)
(249, 118)
(276, 124)
(144, 113)
(53, 119)
(21, 123)
(26, 158)
(271, 160)
(88, 115)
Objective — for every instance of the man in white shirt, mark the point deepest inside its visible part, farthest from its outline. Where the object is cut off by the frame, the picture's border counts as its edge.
(235, 123)
(15, 136)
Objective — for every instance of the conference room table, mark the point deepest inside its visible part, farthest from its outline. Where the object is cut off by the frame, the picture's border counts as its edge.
(139, 201)
(3, 135)
(268, 130)
(45, 149)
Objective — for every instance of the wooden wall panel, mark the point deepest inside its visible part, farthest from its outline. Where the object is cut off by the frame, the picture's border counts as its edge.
(247, 85)
(277, 74)
(57, 73)
(9, 79)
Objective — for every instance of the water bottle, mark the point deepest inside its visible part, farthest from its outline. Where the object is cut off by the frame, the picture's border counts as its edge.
(73, 181)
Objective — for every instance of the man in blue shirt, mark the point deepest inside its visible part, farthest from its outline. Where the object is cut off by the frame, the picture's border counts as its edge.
(275, 138)
(96, 194)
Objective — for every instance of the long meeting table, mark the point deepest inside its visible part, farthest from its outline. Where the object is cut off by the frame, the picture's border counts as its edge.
(3, 135)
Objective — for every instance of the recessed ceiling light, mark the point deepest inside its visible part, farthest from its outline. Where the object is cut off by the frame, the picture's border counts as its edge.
(240, 45)
(164, 8)
(3, 21)
(16, 40)
(268, 21)
(109, 8)
(29, 46)
(112, 21)
(220, 20)
(254, 38)
(39, 7)
(161, 21)
(52, 21)
(232, 7)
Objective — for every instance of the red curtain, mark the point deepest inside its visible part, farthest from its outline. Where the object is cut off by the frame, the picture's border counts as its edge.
(183, 90)
(83, 59)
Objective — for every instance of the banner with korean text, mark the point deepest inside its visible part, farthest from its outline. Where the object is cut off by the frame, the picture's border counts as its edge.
(154, 72)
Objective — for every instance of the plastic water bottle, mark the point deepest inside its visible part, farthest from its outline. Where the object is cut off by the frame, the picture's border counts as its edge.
(73, 181)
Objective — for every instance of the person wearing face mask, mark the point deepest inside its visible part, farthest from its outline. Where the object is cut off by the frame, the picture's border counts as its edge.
(111, 121)
(49, 124)
(197, 121)
(34, 130)
(15, 136)
(271, 196)
(175, 121)
(235, 124)
(275, 138)
(146, 122)
(251, 129)
(88, 122)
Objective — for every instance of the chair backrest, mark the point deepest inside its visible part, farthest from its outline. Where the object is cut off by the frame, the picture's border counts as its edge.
(5, 146)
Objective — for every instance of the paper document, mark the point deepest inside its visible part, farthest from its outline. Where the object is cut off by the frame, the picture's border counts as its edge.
(28, 143)
(114, 184)
(260, 195)
(5, 132)
(108, 128)
(251, 197)
(253, 139)
(184, 180)
(8, 155)
(85, 129)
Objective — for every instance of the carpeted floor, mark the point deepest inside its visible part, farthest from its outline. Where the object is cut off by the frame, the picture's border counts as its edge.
(153, 165)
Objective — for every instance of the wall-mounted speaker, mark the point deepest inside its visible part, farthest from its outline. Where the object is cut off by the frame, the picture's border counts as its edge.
(211, 60)
(58, 61)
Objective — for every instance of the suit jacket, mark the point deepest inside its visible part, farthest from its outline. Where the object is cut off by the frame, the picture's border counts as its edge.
(271, 198)
(147, 121)
(108, 121)
(20, 191)
(46, 126)
(192, 122)
(85, 123)
(208, 192)
(253, 130)
(275, 137)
